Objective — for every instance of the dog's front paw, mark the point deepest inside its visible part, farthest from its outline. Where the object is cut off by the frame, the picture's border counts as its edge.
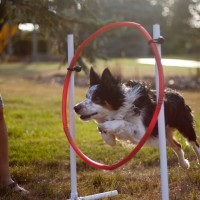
(110, 126)
(108, 138)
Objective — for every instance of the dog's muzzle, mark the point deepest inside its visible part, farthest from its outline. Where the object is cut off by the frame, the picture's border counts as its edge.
(78, 109)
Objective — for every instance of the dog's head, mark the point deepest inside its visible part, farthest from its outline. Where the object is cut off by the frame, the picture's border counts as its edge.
(103, 99)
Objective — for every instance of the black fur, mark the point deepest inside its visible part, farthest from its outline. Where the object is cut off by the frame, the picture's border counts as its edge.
(109, 90)
(178, 114)
(146, 103)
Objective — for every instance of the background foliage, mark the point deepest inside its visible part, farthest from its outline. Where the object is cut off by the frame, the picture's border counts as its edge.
(179, 20)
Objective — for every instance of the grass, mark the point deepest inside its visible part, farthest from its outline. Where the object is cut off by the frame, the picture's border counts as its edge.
(39, 150)
(124, 66)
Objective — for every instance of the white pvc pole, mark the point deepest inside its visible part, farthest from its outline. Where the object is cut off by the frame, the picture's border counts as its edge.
(74, 193)
(73, 172)
(161, 129)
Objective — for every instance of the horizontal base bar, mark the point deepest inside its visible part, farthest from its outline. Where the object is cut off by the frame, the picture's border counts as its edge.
(100, 195)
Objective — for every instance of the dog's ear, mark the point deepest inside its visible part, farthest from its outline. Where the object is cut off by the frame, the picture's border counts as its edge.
(107, 79)
(94, 77)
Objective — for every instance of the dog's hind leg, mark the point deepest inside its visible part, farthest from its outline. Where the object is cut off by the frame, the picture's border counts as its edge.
(190, 134)
(188, 131)
(196, 148)
(186, 127)
(171, 142)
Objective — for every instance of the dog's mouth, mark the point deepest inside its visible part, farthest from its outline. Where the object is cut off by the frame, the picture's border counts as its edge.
(86, 117)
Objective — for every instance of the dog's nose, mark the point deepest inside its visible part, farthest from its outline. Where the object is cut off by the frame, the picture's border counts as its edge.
(77, 108)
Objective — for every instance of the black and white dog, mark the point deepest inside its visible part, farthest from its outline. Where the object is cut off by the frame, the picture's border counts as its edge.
(124, 111)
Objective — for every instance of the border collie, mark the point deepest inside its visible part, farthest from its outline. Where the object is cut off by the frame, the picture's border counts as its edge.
(124, 110)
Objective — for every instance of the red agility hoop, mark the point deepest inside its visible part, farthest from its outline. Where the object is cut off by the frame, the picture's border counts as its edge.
(158, 106)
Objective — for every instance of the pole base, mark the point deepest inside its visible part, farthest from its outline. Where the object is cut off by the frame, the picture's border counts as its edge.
(98, 196)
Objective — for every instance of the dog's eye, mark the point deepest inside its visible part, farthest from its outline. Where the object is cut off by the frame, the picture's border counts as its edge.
(97, 99)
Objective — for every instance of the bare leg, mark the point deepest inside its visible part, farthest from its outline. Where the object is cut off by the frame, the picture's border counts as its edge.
(4, 166)
(196, 149)
(5, 178)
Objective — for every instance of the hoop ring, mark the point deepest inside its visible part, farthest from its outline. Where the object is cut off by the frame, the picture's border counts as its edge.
(153, 121)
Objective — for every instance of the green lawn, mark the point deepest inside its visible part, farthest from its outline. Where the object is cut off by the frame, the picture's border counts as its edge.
(130, 68)
(39, 150)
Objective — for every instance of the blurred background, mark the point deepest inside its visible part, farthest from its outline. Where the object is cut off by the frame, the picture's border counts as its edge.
(39, 28)
(37, 31)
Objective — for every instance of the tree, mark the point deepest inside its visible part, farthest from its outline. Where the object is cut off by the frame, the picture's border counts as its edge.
(126, 41)
(179, 25)
(179, 28)
(56, 19)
